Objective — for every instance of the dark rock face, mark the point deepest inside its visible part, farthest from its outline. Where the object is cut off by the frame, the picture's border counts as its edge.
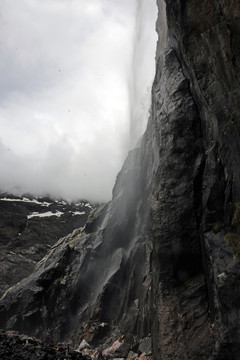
(204, 204)
(161, 260)
(28, 229)
(21, 347)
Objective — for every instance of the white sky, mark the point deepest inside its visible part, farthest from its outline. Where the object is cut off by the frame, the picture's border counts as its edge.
(73, 73)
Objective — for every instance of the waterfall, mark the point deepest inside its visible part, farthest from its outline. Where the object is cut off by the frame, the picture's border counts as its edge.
(143, 67)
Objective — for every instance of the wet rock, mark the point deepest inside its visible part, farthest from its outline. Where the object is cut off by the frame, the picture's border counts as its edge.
(146, 345)
(132, 356)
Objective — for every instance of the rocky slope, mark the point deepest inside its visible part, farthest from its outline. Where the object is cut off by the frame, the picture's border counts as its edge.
(29, 227)
(161, 260)
(21, 347)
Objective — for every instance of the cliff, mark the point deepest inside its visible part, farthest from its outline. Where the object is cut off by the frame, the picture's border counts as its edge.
(162, 258)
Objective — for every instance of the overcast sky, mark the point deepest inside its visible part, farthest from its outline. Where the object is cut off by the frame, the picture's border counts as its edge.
(74, 94)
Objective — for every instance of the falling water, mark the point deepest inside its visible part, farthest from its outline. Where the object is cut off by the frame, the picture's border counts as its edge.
(143, 67)
(78, 93)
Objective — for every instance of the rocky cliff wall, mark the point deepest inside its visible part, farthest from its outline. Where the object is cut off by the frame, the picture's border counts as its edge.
(162, 258)
(199, 199)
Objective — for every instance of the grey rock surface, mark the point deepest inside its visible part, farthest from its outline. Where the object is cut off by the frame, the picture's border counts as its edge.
(29, 226)
(162, 258)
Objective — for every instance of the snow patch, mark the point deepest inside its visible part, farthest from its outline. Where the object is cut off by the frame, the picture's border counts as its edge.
(24, 199)
(46, 214)
(78, 212)
(84, 204)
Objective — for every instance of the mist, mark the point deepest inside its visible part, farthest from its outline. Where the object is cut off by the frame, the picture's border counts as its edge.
(76, 78)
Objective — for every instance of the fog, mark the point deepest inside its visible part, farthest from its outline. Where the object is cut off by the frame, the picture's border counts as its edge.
(75, 89)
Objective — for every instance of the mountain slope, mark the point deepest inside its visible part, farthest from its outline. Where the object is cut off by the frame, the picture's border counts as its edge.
(162, 258)
(29, 227)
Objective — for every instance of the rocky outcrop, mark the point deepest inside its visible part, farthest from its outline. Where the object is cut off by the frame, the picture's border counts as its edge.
(29, 226)
(162, 258)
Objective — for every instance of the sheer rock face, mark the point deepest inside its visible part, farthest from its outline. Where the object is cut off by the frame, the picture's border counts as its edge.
(162, 256)
(203, 205)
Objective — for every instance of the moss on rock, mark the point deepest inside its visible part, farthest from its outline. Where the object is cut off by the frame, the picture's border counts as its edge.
(233, 241)
(236, 215)
(217, 227)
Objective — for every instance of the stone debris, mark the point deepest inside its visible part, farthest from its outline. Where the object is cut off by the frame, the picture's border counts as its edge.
(132, 356)
(83, 345)
(144, 356)
(105, 343)
(115, 346)
(111, 344)
(14, 346)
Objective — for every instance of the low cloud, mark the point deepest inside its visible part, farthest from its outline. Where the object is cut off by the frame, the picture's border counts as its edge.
(65, 100)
